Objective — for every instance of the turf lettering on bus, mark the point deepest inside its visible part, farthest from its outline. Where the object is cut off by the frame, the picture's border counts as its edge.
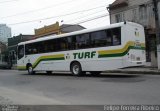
(87, 55)
(84, 55)
(80, 55)
(75, 55)
(93, 54)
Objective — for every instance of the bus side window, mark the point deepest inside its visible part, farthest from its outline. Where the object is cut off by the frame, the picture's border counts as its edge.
(82, 41)
(63, 44)
(98, 39)
(71, 42)
(51, 46)
(109, 38)
(34, 51)
(45, 47)
(116, 36)
(40, 47)
(26, 49)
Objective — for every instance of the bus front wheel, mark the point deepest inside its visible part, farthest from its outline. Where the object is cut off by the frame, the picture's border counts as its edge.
(76, 69)
(30, 70)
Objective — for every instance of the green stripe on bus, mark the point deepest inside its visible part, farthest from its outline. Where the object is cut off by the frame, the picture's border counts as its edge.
(44, 58)
(120, 54)
(21, 67)
(48, 59)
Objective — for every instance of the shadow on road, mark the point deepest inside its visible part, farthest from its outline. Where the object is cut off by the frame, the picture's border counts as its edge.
(104, 77)
(87, 75)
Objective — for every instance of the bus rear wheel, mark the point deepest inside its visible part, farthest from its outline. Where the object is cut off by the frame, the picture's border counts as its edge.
(76, 69)
(30, 70)
(95, 73)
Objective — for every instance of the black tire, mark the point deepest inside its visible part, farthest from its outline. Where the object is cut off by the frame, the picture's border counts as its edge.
(49, 72)
(76, 69)
(30, 70)
(95, 73)
(83, 73)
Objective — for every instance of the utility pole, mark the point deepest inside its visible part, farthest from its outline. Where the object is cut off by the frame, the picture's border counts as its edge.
(155, 3)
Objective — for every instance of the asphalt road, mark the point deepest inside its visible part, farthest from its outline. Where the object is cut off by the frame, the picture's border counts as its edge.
(17, 87)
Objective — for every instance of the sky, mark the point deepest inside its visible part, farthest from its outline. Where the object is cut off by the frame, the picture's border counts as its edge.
(23, 16)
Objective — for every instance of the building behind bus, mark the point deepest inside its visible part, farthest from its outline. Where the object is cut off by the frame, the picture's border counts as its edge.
(56, 29)
(139, 11)
(12, 46)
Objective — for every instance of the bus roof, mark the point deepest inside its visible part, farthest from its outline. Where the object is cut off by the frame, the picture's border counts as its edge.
(81, 32)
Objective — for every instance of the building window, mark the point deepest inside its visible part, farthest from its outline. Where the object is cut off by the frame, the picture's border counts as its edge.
(151, 12)
(118, 18)
(142, 12)
(134, 12)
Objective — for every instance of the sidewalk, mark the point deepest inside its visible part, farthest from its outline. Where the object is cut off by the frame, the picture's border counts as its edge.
(136, 70)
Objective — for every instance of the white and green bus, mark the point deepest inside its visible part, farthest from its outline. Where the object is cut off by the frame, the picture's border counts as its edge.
(111, 47)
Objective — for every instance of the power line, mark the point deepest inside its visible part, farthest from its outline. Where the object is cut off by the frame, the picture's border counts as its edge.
(87, 20)
(93, 18)
(85, 16)
(80, 23)
(57, 16)
(32, 11)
